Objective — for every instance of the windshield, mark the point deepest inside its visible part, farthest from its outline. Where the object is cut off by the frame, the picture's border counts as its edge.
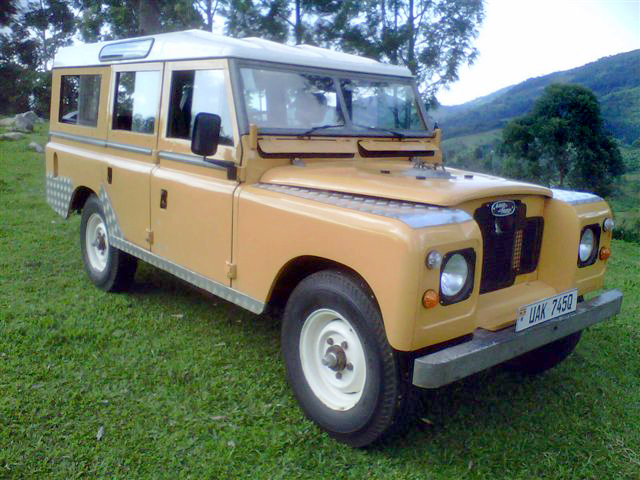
(290, 100)
(381, 104)
(305, 103)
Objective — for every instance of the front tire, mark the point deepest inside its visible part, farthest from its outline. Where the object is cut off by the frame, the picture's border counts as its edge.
(343, 372)
(107, 267)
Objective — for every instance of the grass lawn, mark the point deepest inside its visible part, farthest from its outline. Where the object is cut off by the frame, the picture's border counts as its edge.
(168, 382)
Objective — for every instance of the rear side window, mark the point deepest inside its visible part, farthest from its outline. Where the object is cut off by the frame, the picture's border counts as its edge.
(193, 92)
(136, 101)
(79, 99)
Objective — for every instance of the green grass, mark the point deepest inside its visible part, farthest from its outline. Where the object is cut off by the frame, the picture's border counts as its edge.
(184, 385)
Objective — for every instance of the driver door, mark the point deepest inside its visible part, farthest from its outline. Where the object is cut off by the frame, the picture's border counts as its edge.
(192, 200)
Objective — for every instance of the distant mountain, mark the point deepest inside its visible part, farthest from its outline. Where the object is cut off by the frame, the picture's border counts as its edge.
(615, 80)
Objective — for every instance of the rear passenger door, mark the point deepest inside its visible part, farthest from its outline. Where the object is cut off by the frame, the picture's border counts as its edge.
(132, 137)
(191, 200)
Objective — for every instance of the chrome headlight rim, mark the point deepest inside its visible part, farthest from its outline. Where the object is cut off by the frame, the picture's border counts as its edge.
(594, 231)
(469, 255)
(608, 224)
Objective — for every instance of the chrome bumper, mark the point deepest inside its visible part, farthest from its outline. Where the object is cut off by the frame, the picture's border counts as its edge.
(487, 349)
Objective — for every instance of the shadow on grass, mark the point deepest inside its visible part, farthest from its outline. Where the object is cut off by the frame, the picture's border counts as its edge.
(495, 413)
(152, 283)
(502, 413)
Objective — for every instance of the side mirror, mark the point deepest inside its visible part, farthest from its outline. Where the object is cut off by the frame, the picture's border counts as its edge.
(206, 134)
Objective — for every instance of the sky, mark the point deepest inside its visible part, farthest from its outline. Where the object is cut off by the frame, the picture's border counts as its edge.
(521, 39)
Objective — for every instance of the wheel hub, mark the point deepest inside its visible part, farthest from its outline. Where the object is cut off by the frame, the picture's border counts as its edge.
(335, 358)
(100, 241)
(97, 243)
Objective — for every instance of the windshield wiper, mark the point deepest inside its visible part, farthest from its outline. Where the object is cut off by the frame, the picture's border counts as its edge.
(323, 127)
(380, 129)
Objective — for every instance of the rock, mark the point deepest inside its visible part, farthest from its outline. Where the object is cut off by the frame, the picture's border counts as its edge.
(36, 147)
(11, 136)
(23, 124)
(7, 122)
(30, 115)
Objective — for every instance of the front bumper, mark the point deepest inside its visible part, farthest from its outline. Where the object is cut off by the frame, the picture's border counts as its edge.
(487, 349)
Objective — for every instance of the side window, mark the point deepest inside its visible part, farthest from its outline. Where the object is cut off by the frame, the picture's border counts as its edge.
(195, 91)
(79, 99)
(136, 101)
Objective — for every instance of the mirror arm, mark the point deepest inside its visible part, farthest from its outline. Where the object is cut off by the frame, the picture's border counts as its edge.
(232, 168)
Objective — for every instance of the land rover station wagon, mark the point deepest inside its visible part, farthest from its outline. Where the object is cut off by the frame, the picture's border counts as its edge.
(310, 183)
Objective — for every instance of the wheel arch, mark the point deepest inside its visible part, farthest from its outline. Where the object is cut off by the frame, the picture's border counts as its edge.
(297, 269)
(79, 198)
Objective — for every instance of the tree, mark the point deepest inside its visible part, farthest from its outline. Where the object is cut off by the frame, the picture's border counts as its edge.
(38, 30)
(7, 10)
(260, 18)
(562, 142)
(114, 19)
(433, 38)
(35, 30)
(208, 9)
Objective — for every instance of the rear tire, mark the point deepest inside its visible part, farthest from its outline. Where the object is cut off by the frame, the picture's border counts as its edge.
(343, 372)
(546, 357)
(108, 268)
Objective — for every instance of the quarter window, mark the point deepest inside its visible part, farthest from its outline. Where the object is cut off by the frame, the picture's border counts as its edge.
(193, 92)
(79, 99)
(136, 102)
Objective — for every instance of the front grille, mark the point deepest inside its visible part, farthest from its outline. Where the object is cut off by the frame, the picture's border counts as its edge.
(510, 245)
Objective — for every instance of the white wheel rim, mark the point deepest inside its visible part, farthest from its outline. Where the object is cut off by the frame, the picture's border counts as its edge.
(327, 335)
(97, 242)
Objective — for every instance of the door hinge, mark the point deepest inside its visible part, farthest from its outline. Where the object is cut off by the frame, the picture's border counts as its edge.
(231, 270)
(149, 238)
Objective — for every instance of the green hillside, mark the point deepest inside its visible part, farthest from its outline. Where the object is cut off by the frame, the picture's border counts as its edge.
(615, 80)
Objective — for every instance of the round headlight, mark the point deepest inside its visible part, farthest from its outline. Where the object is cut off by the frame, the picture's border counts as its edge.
(587, 243)
(454, 275)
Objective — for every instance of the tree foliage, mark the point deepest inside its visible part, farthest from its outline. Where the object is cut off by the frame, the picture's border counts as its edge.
(433, 38)
(267, 19)
(562, 142)
(36, 30)
(8, 8)
(113, 19)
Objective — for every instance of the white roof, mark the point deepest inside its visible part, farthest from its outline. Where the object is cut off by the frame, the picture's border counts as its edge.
(194, 44)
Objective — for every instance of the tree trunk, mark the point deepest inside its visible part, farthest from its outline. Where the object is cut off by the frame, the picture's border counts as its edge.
(210, 15)
(149, 17)
(43, 39)
(411, 54)
(298, 22)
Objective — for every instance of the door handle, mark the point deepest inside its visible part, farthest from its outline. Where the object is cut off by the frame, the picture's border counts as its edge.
(163, 198)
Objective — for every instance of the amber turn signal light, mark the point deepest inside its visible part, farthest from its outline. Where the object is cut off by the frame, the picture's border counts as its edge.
(605, 253)
(430, 299)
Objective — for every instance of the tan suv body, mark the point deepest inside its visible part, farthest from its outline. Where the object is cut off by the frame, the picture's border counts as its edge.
(320, 191)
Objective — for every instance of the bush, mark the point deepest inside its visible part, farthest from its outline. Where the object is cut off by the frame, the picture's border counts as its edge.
(628, 231)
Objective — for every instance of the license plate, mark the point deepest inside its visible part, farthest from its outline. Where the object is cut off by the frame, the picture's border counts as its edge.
(552, 307)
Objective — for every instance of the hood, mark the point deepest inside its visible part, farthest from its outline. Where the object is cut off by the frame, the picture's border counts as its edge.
(400, 182)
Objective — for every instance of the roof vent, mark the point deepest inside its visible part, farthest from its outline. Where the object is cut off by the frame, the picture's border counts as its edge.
(126, 50)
